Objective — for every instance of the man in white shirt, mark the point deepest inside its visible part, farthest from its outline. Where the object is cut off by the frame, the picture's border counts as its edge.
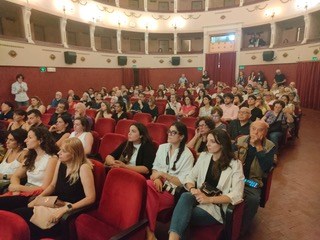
(183, 79)
(19, 88)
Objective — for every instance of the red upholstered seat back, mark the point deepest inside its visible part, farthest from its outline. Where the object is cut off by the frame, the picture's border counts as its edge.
(13, 226)
(99, 175)
(104, 125)
(45, 118)
(96, 142)
(158, 132)
(144, 118)
(189, 121)
(123, 198)
(91, 113)
(123, 126)
(191, 133)
(167, 120)
(109, 143)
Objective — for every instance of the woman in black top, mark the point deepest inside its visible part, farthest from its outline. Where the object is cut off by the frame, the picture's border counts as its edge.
(61, 130)
(120, 111)
(72, 182)
(137, 154)
(152, 108)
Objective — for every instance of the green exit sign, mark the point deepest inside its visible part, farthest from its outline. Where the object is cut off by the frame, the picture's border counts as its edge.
(200, 68)
(43, 69)
(315, 59)
(241, 67)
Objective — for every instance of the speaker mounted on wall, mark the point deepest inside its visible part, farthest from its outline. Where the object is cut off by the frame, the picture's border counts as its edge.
(175, 61)
(70, 57)
(268, 56)
(122, 60)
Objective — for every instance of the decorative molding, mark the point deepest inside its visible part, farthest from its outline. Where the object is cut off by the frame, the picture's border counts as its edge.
(52, 56)
(160, 17)
(82, 2)
(105, 9)
(82, 59)
(108, 60)
(316, 51)
(133, 14)
(134, 61)
(256, 8)
(13, 46)
(189, 60)
(253, 57)
(285, 55)
(13, 53)
(285, 1)
(190, 16)
(223, 17)
(161, 61)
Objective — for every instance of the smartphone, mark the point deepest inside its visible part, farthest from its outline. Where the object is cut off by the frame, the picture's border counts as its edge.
(251, 183)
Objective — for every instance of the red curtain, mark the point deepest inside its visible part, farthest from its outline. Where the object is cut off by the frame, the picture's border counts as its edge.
(127, 77)
(212, 62)
(144, 77)
(308, 84)
(227, 68)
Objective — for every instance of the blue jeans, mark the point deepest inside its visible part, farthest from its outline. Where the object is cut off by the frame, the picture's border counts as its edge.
(275, 137)
(185, 212)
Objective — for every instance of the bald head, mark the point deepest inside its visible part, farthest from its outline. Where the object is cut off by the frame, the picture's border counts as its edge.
(259, 128)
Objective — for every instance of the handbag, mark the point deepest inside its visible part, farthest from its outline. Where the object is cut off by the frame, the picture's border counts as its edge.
(46, 201)
(276, 126)
(170, 111)
(209, 190)
(42, 217)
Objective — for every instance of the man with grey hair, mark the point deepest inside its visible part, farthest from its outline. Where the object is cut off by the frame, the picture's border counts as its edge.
(56, 100)
(240, 126)
(279, 78)
(256, 153)
(80, 111)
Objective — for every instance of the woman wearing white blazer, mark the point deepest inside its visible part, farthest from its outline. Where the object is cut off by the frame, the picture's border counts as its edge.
(218, 169)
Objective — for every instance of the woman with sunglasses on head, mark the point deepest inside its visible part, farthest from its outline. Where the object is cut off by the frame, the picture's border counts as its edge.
(173, 162)
(199, 141)
(218, 169)
(136, 154)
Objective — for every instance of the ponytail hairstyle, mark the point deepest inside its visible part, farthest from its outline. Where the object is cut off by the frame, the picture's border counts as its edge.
(182, 131)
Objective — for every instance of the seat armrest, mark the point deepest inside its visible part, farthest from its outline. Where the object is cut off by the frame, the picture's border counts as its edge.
(233, 222)
(127, 233)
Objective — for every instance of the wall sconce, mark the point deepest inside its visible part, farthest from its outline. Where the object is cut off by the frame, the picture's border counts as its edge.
(306, 4)
(67, 7)
(177, 22)
(147, 23)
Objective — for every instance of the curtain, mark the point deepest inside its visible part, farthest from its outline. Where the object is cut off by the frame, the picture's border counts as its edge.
(308, 84)
(227, 68)
(144, 77)
(212, 62)
(127, 77)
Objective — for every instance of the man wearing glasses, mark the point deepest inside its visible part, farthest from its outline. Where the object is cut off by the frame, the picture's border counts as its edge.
(240, 126)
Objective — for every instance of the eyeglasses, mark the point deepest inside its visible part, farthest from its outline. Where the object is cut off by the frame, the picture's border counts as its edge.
(173, 133)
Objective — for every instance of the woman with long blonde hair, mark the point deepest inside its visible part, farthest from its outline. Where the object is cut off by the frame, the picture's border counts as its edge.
(72, 183)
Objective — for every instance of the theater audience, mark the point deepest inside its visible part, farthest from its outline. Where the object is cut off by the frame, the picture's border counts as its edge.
(86, 100)
(218, 169)
(6, 111)
(262, 105)
(241, 79)
(172, 163)
(255, 112)
(238, 100)
(269, 98)
(205, 110)
(55, 101)
(173, 107)
(61, 129)
(199, 141)
(61, 109)
(33, 119)
(279, 78)
(19, 88)
(71, 102)
(140, 105)
(136, 154)
(219, 92)
(120, 111)
(38, 168)
(72, 183)
(73, 95)
(104, 111)
(36, 103)
(216, 115)
(19, 117)
(200, 97)
(80, 111)
(218, 100)
(82, 131)
(256, 153)
(240, 126)
(251, 78)
(160, 95)
(14, 156)
(152, 108)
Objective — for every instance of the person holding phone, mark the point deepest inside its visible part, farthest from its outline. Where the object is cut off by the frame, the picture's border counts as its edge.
(218, 171)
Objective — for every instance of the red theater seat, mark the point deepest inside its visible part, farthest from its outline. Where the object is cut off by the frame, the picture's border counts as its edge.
(189, 121)
(45, 118)
(143, 118)
(109, 143)
(13, 227)
(167, 120)
(158, 132)
(104, 125)
(123, 126)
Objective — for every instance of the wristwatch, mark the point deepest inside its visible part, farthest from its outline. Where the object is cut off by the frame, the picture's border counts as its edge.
(69, 206)
(5, 177)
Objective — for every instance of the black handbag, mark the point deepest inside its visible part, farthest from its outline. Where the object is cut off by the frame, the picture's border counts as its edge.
(209, 190)
(277, 126)
(170, 111)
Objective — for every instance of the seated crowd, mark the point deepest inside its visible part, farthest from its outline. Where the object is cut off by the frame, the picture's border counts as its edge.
(237, 133)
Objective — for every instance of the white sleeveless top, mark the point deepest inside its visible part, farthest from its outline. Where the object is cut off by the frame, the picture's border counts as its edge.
(81, 137)
(36, 176)
(9, 168)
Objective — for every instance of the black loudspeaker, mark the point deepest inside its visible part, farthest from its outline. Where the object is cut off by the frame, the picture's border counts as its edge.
(175, 61)
(70, 57)
(268, 56)
(122, 60)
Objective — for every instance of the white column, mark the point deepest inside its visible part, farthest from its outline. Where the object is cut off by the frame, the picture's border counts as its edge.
(206, 42)
(307, 26)
(26, 14)
(206, 5)
(238, 41)
(175, 43)
(145, 4)
(117, 3)
(63, 32)
(92, 42)
(119, 41)
(241, 3)
(175, 6)
(146, 43)
(273, 34)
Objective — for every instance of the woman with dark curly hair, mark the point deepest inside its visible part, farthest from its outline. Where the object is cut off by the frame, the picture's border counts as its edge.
(173, 162)
(38, 169)
(199, 141)
(218, 169)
